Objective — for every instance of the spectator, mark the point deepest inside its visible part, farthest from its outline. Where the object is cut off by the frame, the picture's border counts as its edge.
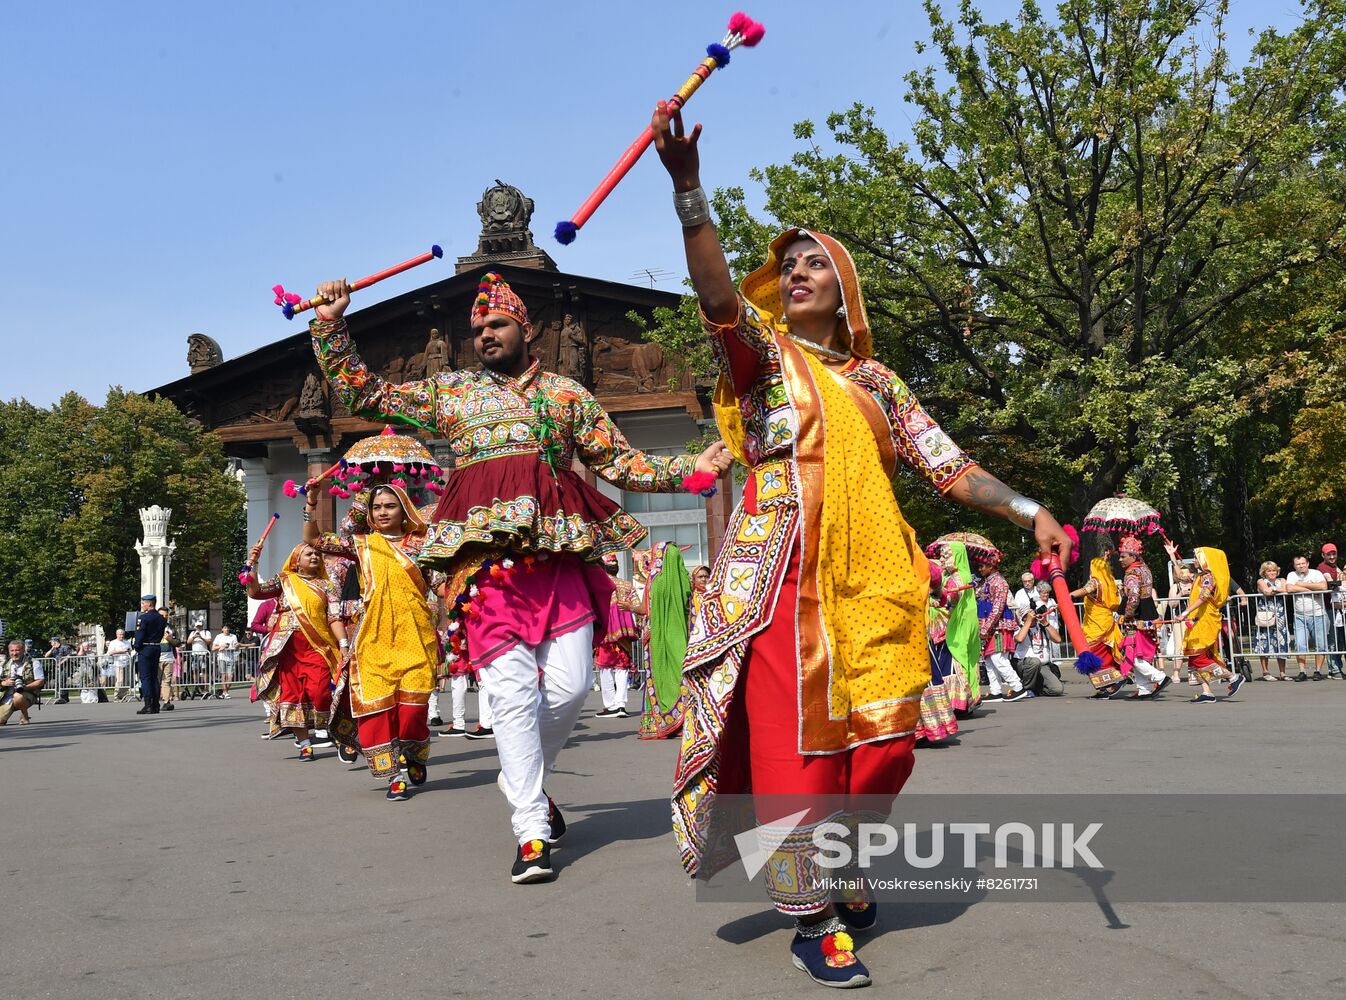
(59, 654)
(1307, 586)
(1336, 585)
(170, 669)
(199, 640)
(1034, 651)
(21, 680)
(225, 648)
(1025, 596)
(1272, 636)
(117, 670)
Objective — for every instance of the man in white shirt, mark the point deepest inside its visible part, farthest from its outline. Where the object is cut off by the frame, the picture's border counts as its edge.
(117, 673)
(1308, 587)
(1034, 643)
(1025, 596)
(225, 648)
(199, 640)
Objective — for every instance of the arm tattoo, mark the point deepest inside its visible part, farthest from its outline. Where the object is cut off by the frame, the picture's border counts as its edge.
(989, 494)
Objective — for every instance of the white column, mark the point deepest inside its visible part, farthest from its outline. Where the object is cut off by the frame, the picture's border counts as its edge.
(156, 552)
(257, 490)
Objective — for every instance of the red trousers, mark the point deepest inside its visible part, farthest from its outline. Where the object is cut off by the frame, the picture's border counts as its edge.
(402, 730)
(760, 753)
(304, 686)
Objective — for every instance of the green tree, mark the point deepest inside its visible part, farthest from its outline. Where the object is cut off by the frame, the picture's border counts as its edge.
(73, 480)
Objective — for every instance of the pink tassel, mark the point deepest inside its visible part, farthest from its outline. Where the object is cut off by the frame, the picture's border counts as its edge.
(388, 430)
(1074, 537)
(290, 489)
(335, 490)
(736, 23)
(355, 468)
(399, 468)
(753, 32)
(401, 484)
(245, 578)
(375, 470)
(698, 482)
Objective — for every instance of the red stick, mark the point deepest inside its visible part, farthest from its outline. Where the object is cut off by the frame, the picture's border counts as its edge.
(1065, 605)
(317, 300)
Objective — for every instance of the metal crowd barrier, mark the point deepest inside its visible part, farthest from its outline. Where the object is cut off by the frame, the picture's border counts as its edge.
(190, 675)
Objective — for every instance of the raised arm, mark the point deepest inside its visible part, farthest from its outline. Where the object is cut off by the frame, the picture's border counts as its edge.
(363, 392)
(706, 265)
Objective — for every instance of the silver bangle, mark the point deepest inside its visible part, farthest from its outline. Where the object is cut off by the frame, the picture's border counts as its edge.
(692, 207)
(1022, 512)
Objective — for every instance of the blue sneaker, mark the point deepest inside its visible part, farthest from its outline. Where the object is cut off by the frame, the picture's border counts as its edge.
(829, 960)
(1204, 699)
(1235, 684)
(398, 790)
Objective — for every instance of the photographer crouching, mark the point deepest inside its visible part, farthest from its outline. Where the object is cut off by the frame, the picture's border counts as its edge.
(1035, 644)
(21, 680)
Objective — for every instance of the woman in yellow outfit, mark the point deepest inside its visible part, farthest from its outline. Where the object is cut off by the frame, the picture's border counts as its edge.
(385, 689)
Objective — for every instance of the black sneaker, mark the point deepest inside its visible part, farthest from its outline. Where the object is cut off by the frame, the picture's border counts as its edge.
(453, 731)
(480, 733)
(1318, 676)
(348, 755)
(1164, 683)
(992, 697)
(557, 821)
(1019, 695)
(167, 706)
(62, 700)
(436, 721)
(532, 863)
(1301, 676)
(622, 713)
(607, 713)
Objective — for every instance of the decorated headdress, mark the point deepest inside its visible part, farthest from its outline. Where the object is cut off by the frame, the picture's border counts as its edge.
(979, 547)
(1131, 546)
(762, 287)
(495, 296)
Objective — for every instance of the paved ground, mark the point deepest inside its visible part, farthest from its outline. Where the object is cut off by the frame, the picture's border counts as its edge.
(183, 857)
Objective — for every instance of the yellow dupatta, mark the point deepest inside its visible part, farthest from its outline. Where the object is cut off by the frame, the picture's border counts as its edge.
(1205, 631)
(396, 646)
(864, 582)
(1100, 627)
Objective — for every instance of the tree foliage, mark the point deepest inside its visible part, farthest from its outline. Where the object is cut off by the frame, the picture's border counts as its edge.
(72, 481)
(1100, 253)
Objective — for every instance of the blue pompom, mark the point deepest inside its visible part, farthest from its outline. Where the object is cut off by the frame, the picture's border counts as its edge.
(719, 53)
(1088, 663)
(288, 310)
(566, 231)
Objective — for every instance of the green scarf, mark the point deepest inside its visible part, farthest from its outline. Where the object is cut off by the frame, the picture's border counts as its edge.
(964, 633)
(670, 600)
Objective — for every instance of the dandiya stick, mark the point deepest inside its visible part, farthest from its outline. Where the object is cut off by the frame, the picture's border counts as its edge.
(743, 30)
(1066, 605)
(247, 567)
(292, 490)
(290, 303)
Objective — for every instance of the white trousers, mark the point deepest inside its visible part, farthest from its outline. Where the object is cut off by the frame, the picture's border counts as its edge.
(614, 684)
(1146, 675)
(433, 712)
(534, 718)
(458, 695)
(998, 671)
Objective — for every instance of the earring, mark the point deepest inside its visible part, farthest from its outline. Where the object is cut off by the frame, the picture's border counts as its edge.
(841, 312)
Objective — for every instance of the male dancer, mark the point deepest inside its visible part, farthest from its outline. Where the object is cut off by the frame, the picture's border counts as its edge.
(1139, 613)
(518, 533)
(997, 629)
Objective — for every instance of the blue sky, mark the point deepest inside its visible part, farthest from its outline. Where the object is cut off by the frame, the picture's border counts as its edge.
(164, 164)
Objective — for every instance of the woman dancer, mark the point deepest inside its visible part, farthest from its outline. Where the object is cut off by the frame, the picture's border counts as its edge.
(302, 652)
(808, 653)
(937, 719)
(668, 598)
(612, 658)
(961, 640)
(383, 695)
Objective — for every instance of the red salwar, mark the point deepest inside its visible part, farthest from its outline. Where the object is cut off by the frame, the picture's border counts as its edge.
(305, 686)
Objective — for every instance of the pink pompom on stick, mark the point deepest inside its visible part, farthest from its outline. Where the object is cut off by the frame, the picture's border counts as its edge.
(698, 482)
(737, 20)
(289, 489)
(753, 33)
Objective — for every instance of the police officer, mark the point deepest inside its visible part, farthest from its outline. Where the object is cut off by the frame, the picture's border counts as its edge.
(150, 627)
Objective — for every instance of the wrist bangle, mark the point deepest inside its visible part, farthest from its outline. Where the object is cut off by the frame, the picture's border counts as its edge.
(1022, 512)
(692, 207)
